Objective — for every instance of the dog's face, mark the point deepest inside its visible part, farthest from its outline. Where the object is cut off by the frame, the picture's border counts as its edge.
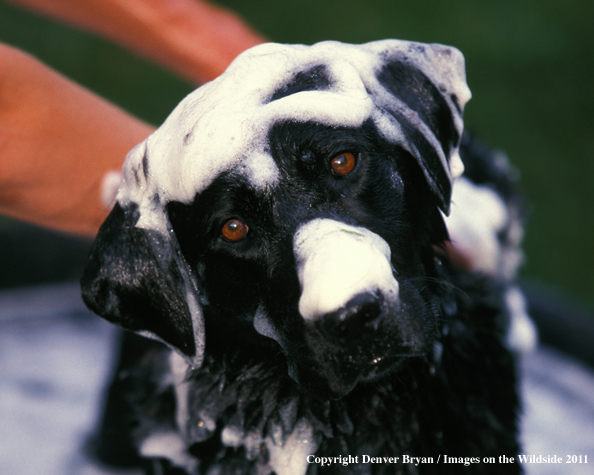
(292, 204)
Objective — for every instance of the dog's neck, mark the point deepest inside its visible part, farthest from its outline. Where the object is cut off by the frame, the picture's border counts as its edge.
(241, 406)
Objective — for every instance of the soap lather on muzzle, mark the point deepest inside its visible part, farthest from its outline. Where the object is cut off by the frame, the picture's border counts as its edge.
(346, 278)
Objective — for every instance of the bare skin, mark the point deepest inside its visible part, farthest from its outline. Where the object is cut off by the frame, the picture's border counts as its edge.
(58, 141)
(194, 38)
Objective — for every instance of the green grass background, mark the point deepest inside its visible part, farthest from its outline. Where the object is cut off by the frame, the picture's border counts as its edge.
(530, 66)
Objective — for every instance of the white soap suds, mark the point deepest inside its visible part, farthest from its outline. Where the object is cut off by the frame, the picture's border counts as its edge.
(170, 446)
(207, 421)
(223, 125)
(477, 215)
(109, 187)
(232, 437)
(179, 371)
(522, 334)
(290, 458)
(456, 166)
(195, 314)
(336, 262)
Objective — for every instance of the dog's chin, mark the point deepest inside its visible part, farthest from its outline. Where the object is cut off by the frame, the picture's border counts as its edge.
(339, 375)
(333, 362)
(381, 367)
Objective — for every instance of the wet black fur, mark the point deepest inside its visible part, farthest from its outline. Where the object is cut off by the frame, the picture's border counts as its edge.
(456, 397)
(460, 403)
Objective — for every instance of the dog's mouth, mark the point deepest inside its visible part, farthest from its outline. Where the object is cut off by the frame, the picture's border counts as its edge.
(384, 364)
(359, 348)
(339, 374)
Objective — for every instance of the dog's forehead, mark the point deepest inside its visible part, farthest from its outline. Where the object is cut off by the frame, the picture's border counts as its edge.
(224, 125)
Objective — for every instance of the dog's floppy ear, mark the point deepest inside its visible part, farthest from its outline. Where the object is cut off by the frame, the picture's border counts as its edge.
(427, 93)
(138, 279)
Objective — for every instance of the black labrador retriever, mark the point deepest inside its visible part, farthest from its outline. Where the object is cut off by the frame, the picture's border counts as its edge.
(283, 234)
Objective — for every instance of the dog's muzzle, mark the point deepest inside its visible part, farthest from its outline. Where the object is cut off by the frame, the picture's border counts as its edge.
(344, 271)
(357, 327)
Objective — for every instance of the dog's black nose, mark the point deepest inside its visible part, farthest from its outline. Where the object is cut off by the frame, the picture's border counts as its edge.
(357, 318)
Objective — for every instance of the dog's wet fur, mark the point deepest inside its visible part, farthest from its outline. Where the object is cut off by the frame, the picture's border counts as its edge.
(422, 370)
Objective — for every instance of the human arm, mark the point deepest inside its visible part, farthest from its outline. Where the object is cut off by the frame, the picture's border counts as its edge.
(194, 38)
(57, 142)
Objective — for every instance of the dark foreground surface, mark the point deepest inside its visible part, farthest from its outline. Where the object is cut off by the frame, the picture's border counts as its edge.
(56, 357)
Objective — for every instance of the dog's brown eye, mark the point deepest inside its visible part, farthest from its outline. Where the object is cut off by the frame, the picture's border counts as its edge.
(234, 230)
(343, 164)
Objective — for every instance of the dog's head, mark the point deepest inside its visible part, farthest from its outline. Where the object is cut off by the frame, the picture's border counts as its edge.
(294, 201)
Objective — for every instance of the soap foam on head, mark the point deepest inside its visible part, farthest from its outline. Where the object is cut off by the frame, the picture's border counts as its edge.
(223, 125)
